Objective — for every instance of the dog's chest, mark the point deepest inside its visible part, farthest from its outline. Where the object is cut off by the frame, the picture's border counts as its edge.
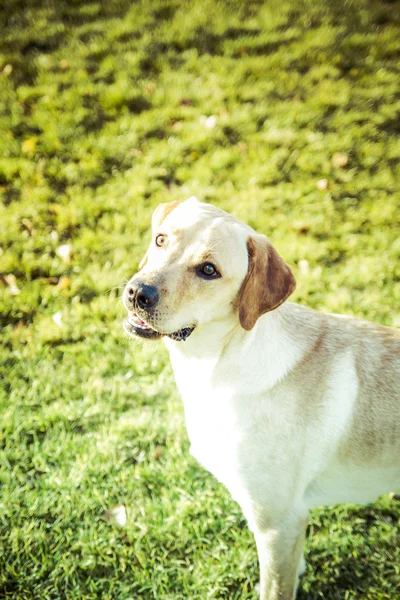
(215, 424)
(213, 429)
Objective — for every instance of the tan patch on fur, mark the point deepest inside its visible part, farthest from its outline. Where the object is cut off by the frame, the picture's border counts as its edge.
(176, 233)
(143, 262)
(162, 211)
(159, 215)
(268, 283)
(372, 436)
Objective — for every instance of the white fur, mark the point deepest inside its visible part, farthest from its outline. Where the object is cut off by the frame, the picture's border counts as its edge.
(299, 412)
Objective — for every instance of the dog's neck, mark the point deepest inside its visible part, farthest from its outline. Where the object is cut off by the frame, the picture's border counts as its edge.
(208, 341)
(269, 343)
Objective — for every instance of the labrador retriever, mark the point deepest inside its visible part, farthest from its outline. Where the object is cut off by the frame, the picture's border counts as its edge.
(288, 407)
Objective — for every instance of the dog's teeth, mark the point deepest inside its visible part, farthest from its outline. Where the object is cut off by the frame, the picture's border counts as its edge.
(138, 321)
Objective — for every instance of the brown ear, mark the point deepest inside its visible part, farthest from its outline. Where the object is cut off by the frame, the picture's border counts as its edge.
(268, 283)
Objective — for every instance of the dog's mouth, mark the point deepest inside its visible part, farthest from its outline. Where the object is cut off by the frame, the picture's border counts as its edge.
(136, 327)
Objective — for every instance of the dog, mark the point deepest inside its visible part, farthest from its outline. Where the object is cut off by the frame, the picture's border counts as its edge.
(288, 407)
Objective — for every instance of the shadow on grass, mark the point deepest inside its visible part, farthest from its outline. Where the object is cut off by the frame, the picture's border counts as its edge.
(337, 569)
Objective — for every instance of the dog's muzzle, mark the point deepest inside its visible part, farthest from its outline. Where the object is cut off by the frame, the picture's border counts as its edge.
(140, 300)
(142, 296)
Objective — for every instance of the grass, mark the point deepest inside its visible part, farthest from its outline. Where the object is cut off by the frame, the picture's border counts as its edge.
(286, 114)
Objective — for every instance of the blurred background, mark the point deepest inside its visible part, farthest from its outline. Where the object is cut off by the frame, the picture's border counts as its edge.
(285, 113)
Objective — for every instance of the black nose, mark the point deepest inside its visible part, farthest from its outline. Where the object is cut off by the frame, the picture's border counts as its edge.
(145, 296)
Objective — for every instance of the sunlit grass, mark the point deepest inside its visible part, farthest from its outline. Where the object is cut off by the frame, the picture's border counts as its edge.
(284, 113)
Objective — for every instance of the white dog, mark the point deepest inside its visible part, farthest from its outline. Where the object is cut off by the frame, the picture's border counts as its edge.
(289, 408)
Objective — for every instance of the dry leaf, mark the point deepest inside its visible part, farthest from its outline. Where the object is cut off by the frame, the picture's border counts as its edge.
(28, 226)
(116, 514)
(65, 282)
(304, 266)
(11, 281)
(50, 280)
(322, 184)
(29, 145)
(303, 230)
(340, 160)
(64, 252)
(57, 318)
(209, 122)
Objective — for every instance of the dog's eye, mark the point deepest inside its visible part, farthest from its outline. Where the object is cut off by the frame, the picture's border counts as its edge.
(160, 240)
(208, 271)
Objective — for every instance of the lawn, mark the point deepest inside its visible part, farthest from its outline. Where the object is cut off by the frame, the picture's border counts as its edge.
(286, 114)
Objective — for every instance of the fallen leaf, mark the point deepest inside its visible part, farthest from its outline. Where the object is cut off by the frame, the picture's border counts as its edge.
(116, 514)
(65, 282)
(29, 145)
(57, 318)
(28, 226)
(7, 70)
(209, 122)
(64, 252)
(322, 184)
(304, 266)
(50, 280)
(64, 64)
(303, 230)
(11, 282)
(340, 160)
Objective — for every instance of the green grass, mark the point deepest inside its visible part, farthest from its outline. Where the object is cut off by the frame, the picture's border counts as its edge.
(103, 109)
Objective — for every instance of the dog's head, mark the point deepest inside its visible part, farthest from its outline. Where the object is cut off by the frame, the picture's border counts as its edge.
(201, 266)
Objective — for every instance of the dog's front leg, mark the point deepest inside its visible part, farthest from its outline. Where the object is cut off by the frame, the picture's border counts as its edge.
(280, 551)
